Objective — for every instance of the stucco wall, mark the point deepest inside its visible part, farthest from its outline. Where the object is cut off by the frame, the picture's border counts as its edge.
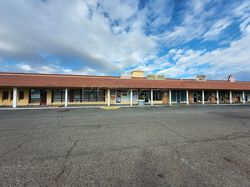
(25, 100)
(139, 74)
(6, 102)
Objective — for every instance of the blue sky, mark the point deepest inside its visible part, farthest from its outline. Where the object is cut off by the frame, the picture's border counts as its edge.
(175, 38)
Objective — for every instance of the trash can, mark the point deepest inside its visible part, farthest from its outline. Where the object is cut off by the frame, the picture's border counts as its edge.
(141, 102)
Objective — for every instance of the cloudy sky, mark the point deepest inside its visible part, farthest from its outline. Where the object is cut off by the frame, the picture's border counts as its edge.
(176, 38)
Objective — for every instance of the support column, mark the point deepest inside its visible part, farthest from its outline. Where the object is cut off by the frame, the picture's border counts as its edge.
(131, 97)
(203, 97)
(169, 98)
(230, 97)
(151, 100)
(108, 97)
(187, 98)
(218, 97)
(66, 97)
(14, 101)
(243, 97)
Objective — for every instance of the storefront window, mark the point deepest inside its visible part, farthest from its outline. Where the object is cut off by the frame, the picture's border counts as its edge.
(157, 95)
(5, 95)
(93, 95)
(197, 96)
(247, 96)
(207, 96)
(77, 95)
(34, 96)
(224, 96)
(178, 96)
(100, 95)
(183, 95)
(21, 95)
(145, 95)
(58, 95)
(173, 95)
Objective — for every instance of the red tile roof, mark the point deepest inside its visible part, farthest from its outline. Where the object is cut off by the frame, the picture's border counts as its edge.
(79, 81)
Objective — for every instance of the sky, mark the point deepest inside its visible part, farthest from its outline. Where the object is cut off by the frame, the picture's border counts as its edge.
(174, 38)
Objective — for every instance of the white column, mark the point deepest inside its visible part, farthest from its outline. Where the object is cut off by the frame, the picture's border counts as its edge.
(187, 98)
(203, 97)
(108, 97)
(170, 98)
(243, 97)
(14, 97)
(218, 97)
(151, 100)
(131, 97)
(230, 97)
(66, 97)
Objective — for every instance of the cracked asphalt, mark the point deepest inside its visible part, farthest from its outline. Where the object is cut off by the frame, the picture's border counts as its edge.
(151, 146)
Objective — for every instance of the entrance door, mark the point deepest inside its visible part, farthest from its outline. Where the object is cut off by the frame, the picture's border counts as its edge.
(178, 97)
(145, 94)
(118, 97)
(195, 97)
(43, 95)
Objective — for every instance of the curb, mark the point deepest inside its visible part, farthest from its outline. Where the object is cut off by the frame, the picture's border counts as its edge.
(118, 106)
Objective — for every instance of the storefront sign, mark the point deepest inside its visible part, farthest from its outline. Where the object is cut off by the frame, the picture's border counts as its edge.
(156, 77)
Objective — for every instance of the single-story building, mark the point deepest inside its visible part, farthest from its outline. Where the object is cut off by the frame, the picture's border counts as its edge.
(30, 89)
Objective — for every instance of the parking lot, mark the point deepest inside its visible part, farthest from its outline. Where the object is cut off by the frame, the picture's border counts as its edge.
(151, 146)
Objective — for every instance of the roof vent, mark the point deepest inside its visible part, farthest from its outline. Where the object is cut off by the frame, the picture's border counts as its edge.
(201, 77)
(231, 78)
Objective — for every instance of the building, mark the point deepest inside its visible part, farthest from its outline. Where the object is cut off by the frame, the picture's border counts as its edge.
(21, 89)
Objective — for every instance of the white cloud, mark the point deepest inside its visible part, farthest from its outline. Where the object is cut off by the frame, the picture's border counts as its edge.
(24, 67)
(216, 64)
(241, 10)
(79, 31)
(106, 37)
(217, 28)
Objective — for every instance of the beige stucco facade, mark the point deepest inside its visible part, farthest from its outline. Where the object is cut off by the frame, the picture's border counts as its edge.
(124, 98)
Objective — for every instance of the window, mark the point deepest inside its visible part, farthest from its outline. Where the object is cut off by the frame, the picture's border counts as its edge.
(197, 96)
(157, 95)
(5, 95)
(207, 96)
(100, 95)
(183, 97)
(173, 95)
(34, 96)
(71, 96)
(58, 95)
(21, 95)
(178, 96)
(93, 95)
(85, 95)
(77, 95)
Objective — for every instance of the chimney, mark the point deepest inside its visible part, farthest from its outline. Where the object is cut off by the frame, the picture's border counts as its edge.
(231, 78)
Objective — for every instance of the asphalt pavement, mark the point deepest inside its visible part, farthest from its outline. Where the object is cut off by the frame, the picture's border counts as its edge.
(151, 146)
